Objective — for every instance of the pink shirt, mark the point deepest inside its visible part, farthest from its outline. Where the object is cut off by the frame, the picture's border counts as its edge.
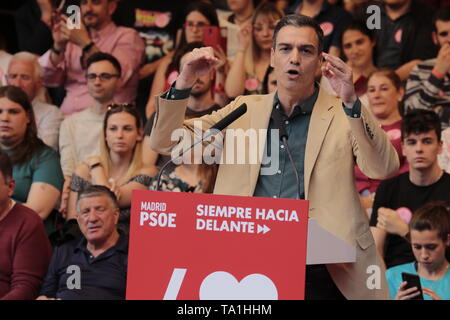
(393, 132)
(123, 43)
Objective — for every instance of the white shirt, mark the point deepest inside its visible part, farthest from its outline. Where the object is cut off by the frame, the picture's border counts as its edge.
(79, 139)
(5, 58)
(48, 120)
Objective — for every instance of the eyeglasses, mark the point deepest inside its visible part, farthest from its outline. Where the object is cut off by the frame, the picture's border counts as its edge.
(102, 76)
(13, 76)
(190, 24)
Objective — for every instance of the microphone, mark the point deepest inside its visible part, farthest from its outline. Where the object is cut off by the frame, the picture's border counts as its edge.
(222, 124)
(231, 117)
(279, 124)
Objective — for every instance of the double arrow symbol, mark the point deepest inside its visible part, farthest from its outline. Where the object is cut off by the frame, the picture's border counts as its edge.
(264, 229)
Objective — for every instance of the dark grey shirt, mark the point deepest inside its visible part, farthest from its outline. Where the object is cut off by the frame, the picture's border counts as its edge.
(283, 183)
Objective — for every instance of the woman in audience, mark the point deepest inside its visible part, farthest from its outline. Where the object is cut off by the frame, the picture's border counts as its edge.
(198, 15)
(430, 237)
(358, 44)
(119, 166)
(385, 94)
(36, 167)
(253, 57)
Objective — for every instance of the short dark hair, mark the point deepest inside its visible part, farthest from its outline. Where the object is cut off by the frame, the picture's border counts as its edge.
(103, 56)
(419, 121)
(359, 25)
(298, 20)
(432, 216)
(442, 14)
(5, 166)
(95, 191)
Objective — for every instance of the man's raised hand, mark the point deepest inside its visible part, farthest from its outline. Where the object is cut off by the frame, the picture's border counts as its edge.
(340, 77)
(197, 63)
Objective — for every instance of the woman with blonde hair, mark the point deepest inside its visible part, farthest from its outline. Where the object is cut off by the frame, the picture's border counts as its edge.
(252, 59)
(119, 166)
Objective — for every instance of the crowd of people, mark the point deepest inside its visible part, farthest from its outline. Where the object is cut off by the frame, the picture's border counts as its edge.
(82, 124)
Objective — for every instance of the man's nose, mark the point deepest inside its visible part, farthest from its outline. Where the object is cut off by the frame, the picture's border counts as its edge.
(295, 56)
(92, 215)
(419, 147)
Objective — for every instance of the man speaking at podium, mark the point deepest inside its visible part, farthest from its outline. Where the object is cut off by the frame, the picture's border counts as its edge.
(327, 136)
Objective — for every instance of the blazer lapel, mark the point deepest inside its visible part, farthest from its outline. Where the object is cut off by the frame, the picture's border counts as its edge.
(259, 120)
(323, 113)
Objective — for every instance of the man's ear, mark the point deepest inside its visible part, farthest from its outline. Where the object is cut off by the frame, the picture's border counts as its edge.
(112, 6)
(434, 37)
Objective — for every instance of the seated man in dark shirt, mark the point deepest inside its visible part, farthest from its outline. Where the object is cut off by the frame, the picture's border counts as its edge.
(94, 267)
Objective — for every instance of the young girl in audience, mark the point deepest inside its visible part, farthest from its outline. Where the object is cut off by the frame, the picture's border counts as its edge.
(36, 167)
(253, 57)
(430, 237)
(385, 94)
(198, 15)
(119, 166)
(358, 43)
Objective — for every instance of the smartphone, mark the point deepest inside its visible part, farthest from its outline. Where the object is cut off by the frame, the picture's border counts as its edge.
(413, 280)
(60, 8)
(215, 37)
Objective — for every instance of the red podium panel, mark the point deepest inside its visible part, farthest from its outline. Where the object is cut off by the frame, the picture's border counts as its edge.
(214, 247)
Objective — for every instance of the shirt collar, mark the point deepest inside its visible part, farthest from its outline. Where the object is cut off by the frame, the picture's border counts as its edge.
(306, 106)
(108, 30)
(121, 244)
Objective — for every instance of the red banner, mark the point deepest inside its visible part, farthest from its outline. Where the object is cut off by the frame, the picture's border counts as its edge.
(213, 247)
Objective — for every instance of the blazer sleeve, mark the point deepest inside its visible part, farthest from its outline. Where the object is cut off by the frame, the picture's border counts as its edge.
(170, 116)
(375, 155)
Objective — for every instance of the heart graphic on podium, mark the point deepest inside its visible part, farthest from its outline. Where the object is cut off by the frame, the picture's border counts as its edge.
(221, 285)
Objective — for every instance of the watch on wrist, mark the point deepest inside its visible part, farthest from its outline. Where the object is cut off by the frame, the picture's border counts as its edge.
(58, 52)
(88, 47)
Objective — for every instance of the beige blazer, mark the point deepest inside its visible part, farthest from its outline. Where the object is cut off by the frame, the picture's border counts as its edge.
(335, 141)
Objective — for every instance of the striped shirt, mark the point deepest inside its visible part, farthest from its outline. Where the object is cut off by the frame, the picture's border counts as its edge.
(426, 91)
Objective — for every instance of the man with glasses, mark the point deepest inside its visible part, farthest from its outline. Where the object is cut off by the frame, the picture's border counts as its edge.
(80, 132)
(65, 63)
(24, 72)
(429, 82)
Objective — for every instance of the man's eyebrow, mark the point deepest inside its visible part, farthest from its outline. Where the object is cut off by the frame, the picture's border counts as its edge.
(302, 46)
